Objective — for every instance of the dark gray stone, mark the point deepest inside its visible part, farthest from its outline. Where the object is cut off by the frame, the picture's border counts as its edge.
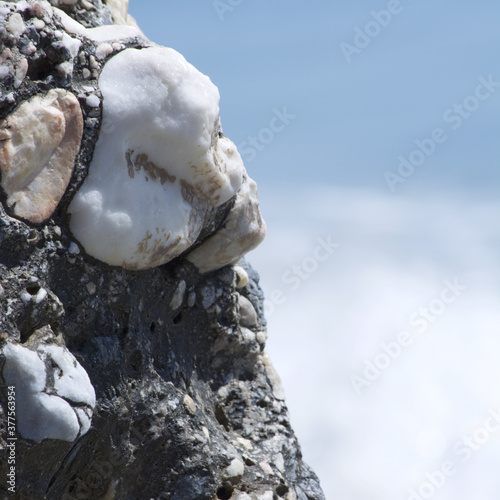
(180, 393)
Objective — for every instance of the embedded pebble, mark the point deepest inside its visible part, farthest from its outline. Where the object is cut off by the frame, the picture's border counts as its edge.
(38, 24)
(93, 101)
(91, 288)
(245, 442)
(223, 392)
(191, 300)
(206, 432)
(93, 63)
(26, 297)
(248, 315)
(243, 231)
(20, 72)
(58, 406)
(36, 9)
(6, 54)
(261, 337)
(207, 297)
(234, 471)
(190, 404)
(40, 295)
(248, 335)
(241, 276)
(279, 461)
(16, 25)
(266, 468)
(74, 248)
(178, 296)
(39, 143)
(66, 68)
(103, 50)
(168, 156)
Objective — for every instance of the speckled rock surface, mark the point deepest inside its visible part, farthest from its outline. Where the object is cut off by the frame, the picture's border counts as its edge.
(187, 403)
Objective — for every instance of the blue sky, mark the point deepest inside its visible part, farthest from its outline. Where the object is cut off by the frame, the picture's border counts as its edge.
(352, 120)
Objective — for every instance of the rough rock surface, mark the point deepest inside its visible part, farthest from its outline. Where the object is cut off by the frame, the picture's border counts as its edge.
(187, 403)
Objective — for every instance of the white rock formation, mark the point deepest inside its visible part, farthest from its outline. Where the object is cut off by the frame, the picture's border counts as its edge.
(160, 165)
(54, 396)
(38, 145)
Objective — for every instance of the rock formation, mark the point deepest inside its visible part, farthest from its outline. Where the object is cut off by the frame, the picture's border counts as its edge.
(132, 335)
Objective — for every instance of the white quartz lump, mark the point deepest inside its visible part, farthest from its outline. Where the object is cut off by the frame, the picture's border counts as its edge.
(39, 142)
(56, 405)
(159, 165)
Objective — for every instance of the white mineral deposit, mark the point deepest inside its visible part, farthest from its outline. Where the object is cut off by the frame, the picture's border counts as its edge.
(160, 166)
(55, 405)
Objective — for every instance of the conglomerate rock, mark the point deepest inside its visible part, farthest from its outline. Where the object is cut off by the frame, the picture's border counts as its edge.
(146, 378)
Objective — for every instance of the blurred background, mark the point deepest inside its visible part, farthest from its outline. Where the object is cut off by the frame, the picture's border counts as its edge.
(372, 130)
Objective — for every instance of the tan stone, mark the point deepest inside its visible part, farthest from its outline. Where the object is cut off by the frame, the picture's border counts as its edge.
(243, 230)
(38, 146)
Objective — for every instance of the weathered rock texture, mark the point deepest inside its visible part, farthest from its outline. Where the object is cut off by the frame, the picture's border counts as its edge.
(187, 403)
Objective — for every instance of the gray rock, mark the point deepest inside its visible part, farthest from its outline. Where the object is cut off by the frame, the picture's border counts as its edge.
(187, 406)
